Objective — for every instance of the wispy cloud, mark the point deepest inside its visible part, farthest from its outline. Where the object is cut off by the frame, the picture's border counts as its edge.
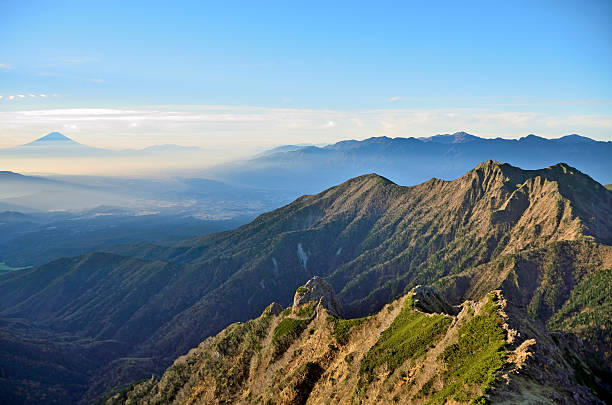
(5, 66)
(18, 97)
(508, 101)
(244, 129)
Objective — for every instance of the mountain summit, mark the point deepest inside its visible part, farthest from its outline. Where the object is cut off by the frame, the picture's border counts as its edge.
(55, 138)
(543, 237)
(457, 137)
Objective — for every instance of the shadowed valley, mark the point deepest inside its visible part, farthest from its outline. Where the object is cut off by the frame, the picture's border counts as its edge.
(542, 237)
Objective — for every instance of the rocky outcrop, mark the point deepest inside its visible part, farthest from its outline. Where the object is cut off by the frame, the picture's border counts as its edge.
(429, 299)
(491, 352)
(273, 309)
(317, 289)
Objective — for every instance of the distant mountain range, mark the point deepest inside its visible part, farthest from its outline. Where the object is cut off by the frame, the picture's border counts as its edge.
(78, 327)
(56, 144)
(411, 161)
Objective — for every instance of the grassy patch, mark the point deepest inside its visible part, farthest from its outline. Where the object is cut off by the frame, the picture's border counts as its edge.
(305, 311)
(588, 310)
(409, 336)
(285, 333)
(342, 327)
(473, 362)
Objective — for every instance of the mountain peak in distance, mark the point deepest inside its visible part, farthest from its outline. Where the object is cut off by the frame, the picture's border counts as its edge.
(54, 137)
(575, 138)
(457, 137)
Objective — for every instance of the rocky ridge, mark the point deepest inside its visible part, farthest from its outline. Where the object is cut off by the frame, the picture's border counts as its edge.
(488, 351)
(321, 292)
(541, 236)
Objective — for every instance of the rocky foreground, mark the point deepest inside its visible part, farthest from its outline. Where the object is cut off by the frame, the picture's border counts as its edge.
(418, 349)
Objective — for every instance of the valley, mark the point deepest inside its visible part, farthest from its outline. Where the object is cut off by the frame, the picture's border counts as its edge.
(305, 203)
(541, 237)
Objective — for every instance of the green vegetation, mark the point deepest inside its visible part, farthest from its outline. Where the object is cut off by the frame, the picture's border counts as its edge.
(306, 310)
(285, 333)
(475, 359)
(547, 296)
(609, 186)
(236, 347)
(392, 237)
(409, 336)
(588, 310)
(301, 290)
(342, 327)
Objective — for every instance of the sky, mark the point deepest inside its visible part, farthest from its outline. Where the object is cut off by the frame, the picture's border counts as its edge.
(241, 76)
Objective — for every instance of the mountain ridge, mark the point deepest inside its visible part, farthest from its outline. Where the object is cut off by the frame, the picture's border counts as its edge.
(483, 351)
(371, 239)
(410, 161)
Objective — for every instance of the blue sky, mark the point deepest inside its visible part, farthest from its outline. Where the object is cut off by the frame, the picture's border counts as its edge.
(551, 60)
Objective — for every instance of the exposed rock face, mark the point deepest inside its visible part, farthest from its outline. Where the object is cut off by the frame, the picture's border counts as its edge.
(317, 289)
(429, 299)
(398, 355)
(533, 233)
(273, 309)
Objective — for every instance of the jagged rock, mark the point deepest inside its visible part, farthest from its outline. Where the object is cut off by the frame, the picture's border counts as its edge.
(317, 289)
(273, 309)
(428, 299)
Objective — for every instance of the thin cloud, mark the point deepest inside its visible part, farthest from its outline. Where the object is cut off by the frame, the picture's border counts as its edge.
(24, 96)
(243, 129)
(394, 99)
(5, 66)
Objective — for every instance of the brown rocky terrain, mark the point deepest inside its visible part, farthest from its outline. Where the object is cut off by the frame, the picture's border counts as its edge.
(541, 236)
(489, 351)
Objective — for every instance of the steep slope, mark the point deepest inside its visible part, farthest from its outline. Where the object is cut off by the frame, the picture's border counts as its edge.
(371, 239)
(487, 351)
